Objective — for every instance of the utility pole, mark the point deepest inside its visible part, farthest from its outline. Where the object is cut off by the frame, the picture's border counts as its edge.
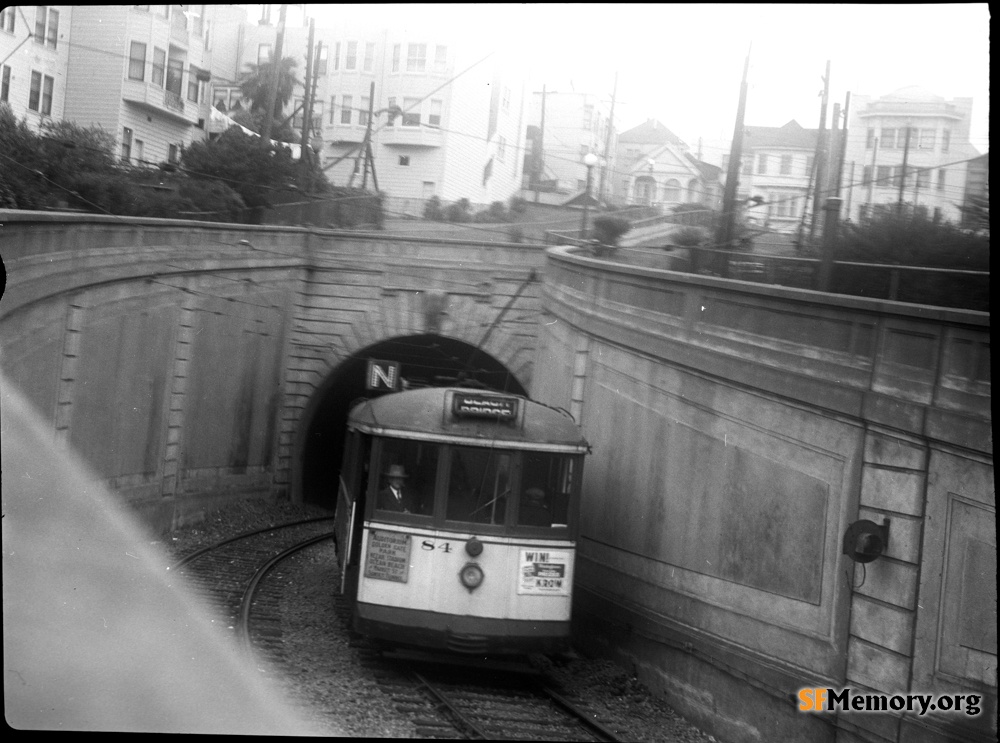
(607, 142)
(272, 90)
(307, 104)
(369, 157)
(842, 154)
(540, 164)
(902, 176)
(820, 156)
(725, 234)
(871, 181)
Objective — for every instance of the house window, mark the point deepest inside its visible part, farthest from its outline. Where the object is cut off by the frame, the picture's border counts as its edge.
(927, 139)
(941, 179)
(404, 160)
(923, 178)
(809, 164)
(888, 139)
(391, 120)
(351, 59)
(786, 164)
(175, 74)
(762, 164)
(159, 66)
(7, 20)
(35, 92)
(263, 54)
(5, 85)
(411, 112)
(369, 56)
(416, 57)
(945, 140)
(883, 175)
(48, 82)
(345, 109)
(866, 175)
(317, 116)
(672, 190)
(46, 26)
(140, 150)
(193, 84)
(137, 61)
(440, 58)
(395, 58)
(363, 111)
(126, 145)
(434, 119)
(333, 105)
(870, 139)
(336, 55)
(322, 60)
(501, 148)
(173, 153)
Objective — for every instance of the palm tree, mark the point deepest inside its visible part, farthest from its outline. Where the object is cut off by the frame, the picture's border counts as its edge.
(255, 83)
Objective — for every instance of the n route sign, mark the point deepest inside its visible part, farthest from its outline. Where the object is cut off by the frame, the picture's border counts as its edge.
(382, 375)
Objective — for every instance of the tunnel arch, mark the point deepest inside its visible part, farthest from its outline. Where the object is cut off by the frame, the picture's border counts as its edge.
(426, 360)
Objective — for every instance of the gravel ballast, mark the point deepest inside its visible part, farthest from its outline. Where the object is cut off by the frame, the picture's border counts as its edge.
(335, 692)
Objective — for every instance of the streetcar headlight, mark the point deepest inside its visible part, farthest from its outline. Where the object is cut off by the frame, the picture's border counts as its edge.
(471, 576)
(474, 547)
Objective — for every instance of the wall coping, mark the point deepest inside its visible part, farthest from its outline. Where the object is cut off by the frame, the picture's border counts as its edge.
(573, 255)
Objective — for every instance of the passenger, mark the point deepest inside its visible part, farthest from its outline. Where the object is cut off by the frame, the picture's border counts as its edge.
(534, 508)
(396, 496)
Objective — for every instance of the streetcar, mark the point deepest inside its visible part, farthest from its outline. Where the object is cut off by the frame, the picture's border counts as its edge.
(457, 520)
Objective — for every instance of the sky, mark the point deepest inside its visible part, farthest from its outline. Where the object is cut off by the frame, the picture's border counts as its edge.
(682, 63)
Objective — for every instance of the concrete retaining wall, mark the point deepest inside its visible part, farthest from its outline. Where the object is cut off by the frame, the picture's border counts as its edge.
(738, 430)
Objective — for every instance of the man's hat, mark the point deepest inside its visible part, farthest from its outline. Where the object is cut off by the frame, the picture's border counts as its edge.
(396, 470)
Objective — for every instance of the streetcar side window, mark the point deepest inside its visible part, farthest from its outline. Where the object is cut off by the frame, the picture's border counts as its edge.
(407, 472)
(479, 485)
(547, 486)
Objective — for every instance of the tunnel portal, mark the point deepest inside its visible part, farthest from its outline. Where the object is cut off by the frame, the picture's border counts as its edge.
(425, 361)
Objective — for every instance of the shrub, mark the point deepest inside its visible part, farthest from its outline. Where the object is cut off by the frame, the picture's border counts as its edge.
(433, 210)
(914, 240)
(608, 230)
(688, 237)
(518, 205)
(458, 211)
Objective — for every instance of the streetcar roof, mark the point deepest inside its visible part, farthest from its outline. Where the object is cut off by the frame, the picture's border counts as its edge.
(469, 416)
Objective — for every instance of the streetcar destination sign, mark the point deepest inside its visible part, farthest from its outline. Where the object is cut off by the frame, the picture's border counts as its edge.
(388, 556)
(484, 406)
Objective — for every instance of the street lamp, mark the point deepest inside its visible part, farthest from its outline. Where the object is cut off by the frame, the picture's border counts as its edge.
(652, 185)
(590, 160)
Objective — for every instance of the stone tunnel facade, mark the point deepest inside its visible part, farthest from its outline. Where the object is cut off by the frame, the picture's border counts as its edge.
(739, 430)
(178, 360)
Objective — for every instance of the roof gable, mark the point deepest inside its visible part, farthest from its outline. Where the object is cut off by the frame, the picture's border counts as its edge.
(791, 135)
(651, 132)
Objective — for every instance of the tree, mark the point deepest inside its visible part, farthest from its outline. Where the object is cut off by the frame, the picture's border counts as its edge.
(238, 160)
(255, 85)
(22, 183)
(976, 213)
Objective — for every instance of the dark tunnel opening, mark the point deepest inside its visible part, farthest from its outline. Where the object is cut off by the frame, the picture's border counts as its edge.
(426, 360)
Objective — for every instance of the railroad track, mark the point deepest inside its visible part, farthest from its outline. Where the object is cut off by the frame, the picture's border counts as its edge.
(230, 575)
(474, 701)
(475, 704)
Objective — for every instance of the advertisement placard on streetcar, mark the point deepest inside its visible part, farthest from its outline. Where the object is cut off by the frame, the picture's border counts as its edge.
(544, 572)
(388, 556)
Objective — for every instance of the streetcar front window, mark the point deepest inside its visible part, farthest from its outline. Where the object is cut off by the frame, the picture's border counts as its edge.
(407, 473)
(479, 485)
(547, 484)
